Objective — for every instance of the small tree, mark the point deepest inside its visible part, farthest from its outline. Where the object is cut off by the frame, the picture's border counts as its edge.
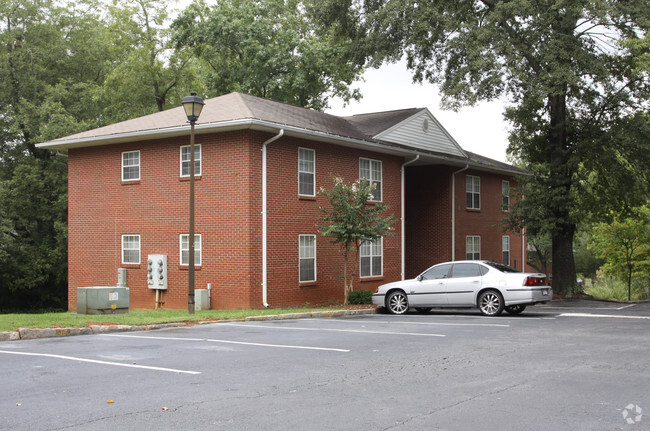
(351, 221)
(624, 244)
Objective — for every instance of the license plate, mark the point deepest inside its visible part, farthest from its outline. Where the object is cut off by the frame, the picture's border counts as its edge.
(544, 291)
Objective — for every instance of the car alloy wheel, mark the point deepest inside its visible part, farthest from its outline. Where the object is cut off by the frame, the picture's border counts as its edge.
(397, 302)
(490, 303)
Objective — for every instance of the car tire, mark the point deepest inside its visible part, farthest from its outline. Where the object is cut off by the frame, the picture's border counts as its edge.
(423, 310)
(490, 302)
(515, 309)
(397, 302)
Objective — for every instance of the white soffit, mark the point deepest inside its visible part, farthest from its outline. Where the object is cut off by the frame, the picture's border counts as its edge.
(422, 131)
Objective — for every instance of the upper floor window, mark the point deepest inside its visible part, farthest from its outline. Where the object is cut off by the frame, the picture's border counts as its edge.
(307, 257)
(371, 170)
(131, 249)
(185, 249)
(185, 160)
(473, 191)
(505, 193)
(505, 247)
(131, 165)
(473, 247)
(371, 258)
(306, 172)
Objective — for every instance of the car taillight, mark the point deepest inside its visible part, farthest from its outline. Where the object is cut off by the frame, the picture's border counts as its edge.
(535, 281)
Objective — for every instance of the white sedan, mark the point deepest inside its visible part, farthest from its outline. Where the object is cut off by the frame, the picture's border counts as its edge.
(489, 286)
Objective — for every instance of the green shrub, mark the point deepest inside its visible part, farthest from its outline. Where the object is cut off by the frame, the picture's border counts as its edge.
(611, 288)
(360, 297)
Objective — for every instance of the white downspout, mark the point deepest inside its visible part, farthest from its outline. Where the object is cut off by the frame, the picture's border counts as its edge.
(403, 218)
(264, 228)
(453, 211)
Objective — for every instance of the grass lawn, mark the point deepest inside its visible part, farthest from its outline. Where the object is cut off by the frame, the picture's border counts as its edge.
(11, 322)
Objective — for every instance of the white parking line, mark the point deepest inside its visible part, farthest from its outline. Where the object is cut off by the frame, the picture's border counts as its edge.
(603, 315)
(334, 330)
(418, 323)
(228, 342)
(94, 361)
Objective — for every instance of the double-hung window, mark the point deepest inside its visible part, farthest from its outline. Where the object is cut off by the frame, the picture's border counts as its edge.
(131, 165)
(473, 247)
(505, 247)
(505, 193)
(306, 172)
(185, 160)
(370, 170)
(473, 191)
(130, 249)
(185, 249)
(307, 257)
(371, 258)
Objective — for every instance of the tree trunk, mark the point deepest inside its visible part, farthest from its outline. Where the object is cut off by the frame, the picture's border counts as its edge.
(564, 270)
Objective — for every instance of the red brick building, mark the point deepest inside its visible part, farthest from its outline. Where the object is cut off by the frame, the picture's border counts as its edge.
(128, 199)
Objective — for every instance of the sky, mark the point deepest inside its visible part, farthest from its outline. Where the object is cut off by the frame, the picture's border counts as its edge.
(480, 129)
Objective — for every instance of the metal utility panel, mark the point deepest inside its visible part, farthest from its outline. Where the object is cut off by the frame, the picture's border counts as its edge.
(157, 271)
(102, 300)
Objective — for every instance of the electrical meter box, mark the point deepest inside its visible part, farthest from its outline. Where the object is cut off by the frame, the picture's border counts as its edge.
(102, 300)
(157, 271)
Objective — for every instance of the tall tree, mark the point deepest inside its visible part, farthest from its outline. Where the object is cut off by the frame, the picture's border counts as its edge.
(578, 103)
(267, 49)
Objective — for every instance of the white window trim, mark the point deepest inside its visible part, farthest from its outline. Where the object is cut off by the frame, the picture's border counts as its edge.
(199, 249)
(381, 247)
(313, 193)
(139, 161)
(188, 161)
(505, 192)
(475, 238)
(374, 180)
(300, 258)
(473, 191)
(124, 249)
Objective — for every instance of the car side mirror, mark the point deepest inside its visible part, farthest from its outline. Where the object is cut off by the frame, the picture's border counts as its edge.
(420, 278)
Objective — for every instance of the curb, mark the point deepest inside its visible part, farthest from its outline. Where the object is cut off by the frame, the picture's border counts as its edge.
(34, 333)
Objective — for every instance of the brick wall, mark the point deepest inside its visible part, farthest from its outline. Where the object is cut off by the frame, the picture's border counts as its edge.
(227, 214)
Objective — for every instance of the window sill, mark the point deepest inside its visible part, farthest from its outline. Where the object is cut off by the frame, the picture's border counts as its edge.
(130, 182)
(308, 284)
(368, 279)
(196, 178)
(473, 210)
(131, 265)
(187, 267)
(307, 198)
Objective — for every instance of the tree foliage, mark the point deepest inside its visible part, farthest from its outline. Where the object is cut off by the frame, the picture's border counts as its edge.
(267, 49)
(578, 96)
(351, 220)
(625, 245)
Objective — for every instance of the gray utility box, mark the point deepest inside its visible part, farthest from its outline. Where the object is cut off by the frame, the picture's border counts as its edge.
(102, 300)
(201, 299)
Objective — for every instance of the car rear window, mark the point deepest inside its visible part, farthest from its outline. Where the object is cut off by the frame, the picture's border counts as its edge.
(501, 267)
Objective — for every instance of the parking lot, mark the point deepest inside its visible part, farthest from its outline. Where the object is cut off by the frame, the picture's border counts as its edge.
(572, 365)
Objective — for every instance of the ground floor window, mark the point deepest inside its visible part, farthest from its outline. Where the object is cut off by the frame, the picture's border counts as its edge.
(185, 250)
(307, 257)
(473, 247)
(371, 258)
(131, 249)
(506, 249)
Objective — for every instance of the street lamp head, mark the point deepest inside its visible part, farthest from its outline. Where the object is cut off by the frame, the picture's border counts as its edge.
(193, 105)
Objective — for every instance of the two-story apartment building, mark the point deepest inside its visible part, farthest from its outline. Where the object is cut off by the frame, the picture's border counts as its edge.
(259, 167)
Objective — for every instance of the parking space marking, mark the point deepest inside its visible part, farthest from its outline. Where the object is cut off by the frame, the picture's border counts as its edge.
(334, 330)
(284, 346)
(95, 361)
(603, 315)
(422, 323)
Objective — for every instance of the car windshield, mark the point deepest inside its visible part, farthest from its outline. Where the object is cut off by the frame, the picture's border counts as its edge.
(501, 267)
